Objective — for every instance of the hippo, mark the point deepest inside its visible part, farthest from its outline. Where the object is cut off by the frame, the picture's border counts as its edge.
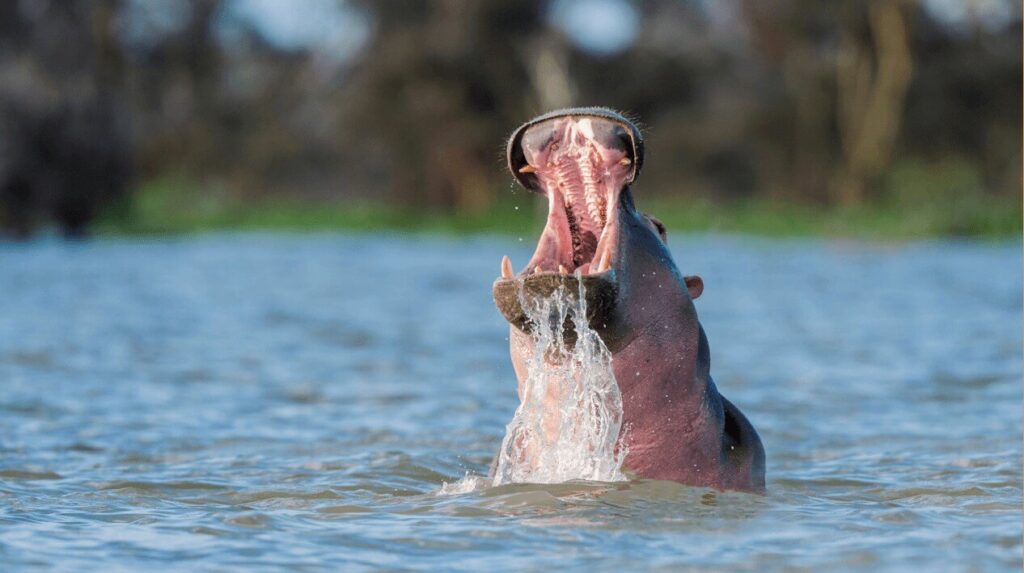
(680, 428)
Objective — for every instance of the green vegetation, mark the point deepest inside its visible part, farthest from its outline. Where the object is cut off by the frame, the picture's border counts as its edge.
(923, 201)
(173, 206)
(918, 200)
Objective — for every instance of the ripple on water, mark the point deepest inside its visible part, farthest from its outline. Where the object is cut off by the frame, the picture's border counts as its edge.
(13, 474)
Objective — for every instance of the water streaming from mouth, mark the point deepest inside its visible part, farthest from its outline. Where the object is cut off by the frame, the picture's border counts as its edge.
(568, 424)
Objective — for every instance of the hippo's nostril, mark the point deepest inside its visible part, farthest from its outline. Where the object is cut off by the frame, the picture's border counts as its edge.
(612, 136)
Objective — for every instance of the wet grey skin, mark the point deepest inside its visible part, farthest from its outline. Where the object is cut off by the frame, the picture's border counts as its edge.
(677, 425)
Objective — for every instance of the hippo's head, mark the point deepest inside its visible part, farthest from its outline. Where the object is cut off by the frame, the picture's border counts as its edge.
(584, 160)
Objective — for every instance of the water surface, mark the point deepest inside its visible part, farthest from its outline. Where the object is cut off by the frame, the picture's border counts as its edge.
(298, 403)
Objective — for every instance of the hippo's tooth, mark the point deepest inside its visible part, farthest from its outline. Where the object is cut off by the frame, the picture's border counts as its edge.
(606, 260)
(625, 161)
(506, 267)
(562, 270)
(528, 169)
(537, 269)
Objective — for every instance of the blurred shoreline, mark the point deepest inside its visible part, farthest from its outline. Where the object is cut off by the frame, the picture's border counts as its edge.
(170, 207)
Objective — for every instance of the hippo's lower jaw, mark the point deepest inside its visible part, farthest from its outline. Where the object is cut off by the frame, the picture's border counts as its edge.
(599, 289)
(581, 163)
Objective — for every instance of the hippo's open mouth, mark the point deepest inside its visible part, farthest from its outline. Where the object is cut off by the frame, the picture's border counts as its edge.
(580, 159)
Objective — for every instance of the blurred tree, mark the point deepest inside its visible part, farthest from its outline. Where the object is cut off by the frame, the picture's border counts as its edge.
(873, 74)
(964, 100)
(64, 153)
(440, 86)
(176, 73)
(794, 48)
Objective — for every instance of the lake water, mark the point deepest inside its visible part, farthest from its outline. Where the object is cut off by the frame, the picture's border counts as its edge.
(299, 402)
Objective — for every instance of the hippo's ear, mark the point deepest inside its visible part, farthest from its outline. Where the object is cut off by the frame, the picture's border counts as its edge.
(695, 285)
(659, 227)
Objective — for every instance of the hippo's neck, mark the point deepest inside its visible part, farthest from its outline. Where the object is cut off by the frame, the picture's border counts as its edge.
(671, 407)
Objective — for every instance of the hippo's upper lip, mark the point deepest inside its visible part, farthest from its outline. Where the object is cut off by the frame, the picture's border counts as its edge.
(516, 159)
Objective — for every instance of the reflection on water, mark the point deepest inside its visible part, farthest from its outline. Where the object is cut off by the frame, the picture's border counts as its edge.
(244, 401)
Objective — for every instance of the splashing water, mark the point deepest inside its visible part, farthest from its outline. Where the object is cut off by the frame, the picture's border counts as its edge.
(567, 426)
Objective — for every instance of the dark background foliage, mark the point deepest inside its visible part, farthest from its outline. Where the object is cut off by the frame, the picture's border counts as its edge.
(831, 104)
